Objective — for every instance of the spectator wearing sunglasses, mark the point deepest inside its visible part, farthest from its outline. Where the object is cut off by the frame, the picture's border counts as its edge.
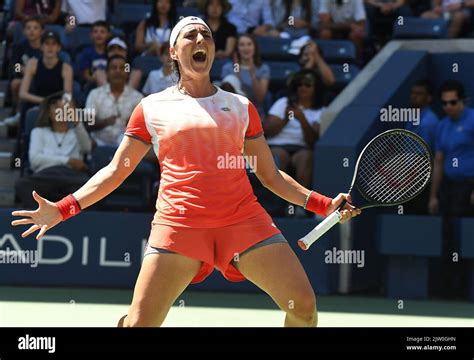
(454, 153)
(292, 126)
(452, 190)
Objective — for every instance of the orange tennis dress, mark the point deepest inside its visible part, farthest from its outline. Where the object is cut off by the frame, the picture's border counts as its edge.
(206, 208)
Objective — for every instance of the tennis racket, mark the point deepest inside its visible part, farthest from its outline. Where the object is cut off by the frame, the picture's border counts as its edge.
(393, 168)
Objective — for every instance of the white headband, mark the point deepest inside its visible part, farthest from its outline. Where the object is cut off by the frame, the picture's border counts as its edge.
(182, 23)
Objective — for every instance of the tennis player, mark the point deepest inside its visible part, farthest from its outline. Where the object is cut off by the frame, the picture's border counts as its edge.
(207, 215)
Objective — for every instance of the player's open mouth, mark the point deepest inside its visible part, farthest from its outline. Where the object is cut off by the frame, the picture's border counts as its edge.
(199, 55)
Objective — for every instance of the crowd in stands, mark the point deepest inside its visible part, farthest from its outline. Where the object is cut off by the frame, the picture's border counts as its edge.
(108, 71)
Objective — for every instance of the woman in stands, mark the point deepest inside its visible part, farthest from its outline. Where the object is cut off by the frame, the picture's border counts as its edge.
(254, 75)
(310, 57)
(56, 152)
(225, 33)
(156, 29)
(292, 125)
(207, 215)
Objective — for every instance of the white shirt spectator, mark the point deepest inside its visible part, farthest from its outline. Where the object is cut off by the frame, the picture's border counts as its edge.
(106, 105)
(352, 10)
(85, 11)
(246, 14)
(279, 11)
(292, 133)
(158, 35)
(48, 148)
(157, 81)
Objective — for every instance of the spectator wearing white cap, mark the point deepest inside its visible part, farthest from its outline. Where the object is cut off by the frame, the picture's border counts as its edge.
(113, 104)
(118, 47)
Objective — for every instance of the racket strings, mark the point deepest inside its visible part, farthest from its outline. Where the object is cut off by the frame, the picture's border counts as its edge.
(410, 187)
(394, 168)
(393, 172)
(398, 166)
(398, 171)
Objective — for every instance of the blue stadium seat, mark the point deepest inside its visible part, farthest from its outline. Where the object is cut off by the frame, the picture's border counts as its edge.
(280, 71)
(78, 39)
(146, 64)
(337, 51)
(275, 49)
(29, 124)
(188, 11)
(135, 192)
(126, 14)
(420, 28)
(58, 29)
(344, 77)
(407, 251)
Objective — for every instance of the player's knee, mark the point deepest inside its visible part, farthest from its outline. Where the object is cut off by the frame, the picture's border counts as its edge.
(304, 306)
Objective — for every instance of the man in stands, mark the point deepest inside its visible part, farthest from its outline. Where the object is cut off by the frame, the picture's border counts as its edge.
(453, 181)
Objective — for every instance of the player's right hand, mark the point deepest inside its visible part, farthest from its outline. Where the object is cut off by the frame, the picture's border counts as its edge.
(44, 218)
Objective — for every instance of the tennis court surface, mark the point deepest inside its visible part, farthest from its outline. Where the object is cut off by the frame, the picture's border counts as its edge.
(77, 307)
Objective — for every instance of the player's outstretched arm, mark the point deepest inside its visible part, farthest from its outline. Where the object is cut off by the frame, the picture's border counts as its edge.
(106, 180)
(285, 186)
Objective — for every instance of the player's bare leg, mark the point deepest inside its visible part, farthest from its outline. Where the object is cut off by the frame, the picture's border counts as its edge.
(162, 278)
(276, 270)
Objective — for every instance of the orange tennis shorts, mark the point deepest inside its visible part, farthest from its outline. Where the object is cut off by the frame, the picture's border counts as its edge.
(215, 247)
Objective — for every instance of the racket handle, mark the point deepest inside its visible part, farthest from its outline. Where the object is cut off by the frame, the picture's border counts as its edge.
(319, 230)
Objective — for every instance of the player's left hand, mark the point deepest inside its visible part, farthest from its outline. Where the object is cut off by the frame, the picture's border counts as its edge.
(348, 211)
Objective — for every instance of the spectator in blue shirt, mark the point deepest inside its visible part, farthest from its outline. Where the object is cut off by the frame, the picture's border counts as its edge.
(94, 57)
(454, 159)
(453, 182)
(424, 125)
(253, 16)
(421, 97)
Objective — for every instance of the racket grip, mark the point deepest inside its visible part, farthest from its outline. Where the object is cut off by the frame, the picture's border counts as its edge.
(306, 241)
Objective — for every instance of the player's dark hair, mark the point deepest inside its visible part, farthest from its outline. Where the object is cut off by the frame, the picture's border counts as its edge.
(36, 18)
(154, 18)
(453, 85)
(426, 84)
(175, 67)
